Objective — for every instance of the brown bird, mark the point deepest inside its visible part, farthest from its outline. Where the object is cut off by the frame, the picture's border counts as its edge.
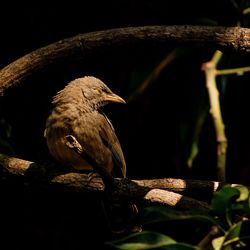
(80, 135)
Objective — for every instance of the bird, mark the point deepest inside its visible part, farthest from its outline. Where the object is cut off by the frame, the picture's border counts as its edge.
(79, 135)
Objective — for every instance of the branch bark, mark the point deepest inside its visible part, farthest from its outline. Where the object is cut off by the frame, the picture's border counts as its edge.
(161, 191)
(223, 38)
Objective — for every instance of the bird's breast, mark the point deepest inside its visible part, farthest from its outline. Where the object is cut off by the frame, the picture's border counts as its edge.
(56, 132)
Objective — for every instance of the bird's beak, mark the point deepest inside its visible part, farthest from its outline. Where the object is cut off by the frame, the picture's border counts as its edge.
(114, 98)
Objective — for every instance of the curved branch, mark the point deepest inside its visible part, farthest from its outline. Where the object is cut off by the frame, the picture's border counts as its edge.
(224, 38)
(160, 191)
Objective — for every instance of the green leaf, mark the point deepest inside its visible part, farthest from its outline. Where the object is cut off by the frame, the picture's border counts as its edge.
(143, 240)
(149, 240)
(193, 153)
(233, 233)
(179, 246)
(232, 237)
(222, 200)
(244, 192)
(217, 243)
(159, 214)
(238, 234)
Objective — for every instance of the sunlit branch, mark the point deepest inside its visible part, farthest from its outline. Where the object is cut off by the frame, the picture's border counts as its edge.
(168, 192)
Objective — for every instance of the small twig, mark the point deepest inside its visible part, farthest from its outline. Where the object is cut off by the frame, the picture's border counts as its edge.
(206, 241)
(211, 72)
(238, 71)
(246, 11)
(154, 74)
(215, 110)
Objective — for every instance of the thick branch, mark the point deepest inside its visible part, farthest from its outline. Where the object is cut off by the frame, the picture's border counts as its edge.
(223, 38)
(143, 191)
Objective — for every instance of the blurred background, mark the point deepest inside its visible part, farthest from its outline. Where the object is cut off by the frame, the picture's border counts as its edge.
(165, 128)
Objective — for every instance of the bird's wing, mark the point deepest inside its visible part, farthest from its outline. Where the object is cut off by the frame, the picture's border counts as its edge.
(107, 134)
(99, 144)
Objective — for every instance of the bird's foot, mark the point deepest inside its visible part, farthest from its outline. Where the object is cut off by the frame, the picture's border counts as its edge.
(92, 175)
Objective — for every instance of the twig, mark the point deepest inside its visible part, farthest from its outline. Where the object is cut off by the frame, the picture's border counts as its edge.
(238, 71)
(215, 110)
(207, 240)
(170, 57)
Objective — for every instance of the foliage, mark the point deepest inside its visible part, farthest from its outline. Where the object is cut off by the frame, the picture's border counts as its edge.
(229, 218)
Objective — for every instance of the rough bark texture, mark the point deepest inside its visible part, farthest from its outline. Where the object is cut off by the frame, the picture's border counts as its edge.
(143, 191)
(224, 38)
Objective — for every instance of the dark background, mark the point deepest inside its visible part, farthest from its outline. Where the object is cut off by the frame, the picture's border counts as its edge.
(154, 129)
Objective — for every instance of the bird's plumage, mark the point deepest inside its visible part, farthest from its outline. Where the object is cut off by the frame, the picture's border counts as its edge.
(76, 119)
(76, 112)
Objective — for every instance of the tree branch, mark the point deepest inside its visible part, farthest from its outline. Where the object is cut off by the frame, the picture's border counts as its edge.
(162, 191)
(223, 38)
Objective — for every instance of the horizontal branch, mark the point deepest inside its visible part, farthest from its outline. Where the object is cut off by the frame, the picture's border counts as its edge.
(157, 191)
(224, 38)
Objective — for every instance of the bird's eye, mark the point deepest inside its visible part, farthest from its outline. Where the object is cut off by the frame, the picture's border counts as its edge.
(83, 93)
(105, 90)
(97, 90)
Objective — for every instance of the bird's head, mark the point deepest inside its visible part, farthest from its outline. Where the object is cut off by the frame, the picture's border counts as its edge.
(88, 90)
(96, 93)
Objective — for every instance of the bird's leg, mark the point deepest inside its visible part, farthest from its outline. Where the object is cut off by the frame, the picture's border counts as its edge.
(92, 175)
